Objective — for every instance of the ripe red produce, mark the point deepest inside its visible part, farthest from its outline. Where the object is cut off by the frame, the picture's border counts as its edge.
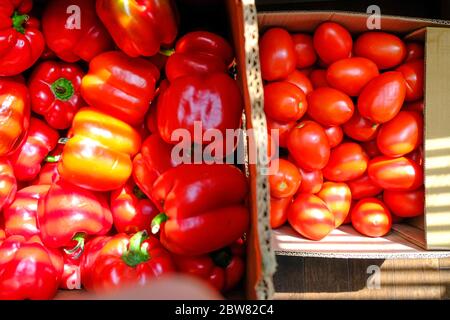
(8, 184)
(348, 161)
(284, 101)
(309, 146)
(385, 49)
(401, 135)
(318, 78)
(414, 50)
(284, 178)
(299, 79)
(312, 181)
(398, 174)
(414, 75)
(330, 107)
(277, 54)
(405, 204)
(363, 187)
(283, 130)
(332, 42)
(338, 198)
(310, 216)
(371, 217)
(335, 135)
(351, 75)
(371, 148)
(414, 106)
(382, 98)
(304, 50)
(279, 211)
(360, 128)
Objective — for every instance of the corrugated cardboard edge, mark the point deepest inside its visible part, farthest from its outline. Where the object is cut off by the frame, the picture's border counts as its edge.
(261, 263)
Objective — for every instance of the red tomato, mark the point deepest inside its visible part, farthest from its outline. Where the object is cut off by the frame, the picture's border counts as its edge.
(382, 98)
(277, 54)
(308, 144)
(310, 216)
(299, 79)
(330, 107)
(304, 50)
(284, 178)
(318, 78)
(401, 135)
(351, 75)
(371, 148)
(334, 135)
(413, 73)
(414, 50)
(414, 106)
(398, 174)
(405, 204)
(312, 181)
(348, 161)
(279, 211)
(385, 49)
(284, 101)
(371, 218)
(338, 198)
(417, 156)
(363, 187)
(283, 130)
(332, 42)
(306, 71)
(359, 128)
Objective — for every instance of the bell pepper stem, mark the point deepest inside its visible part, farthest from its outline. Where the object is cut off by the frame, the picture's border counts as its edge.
(63, 89)
(156, 222)
(139, 193)
(137, 250)
(222, 257)
(53, 159)
(78, 249)
(166, 52)
(18, 21)
(63, 140)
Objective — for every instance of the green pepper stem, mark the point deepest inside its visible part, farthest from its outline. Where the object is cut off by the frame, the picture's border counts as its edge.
(63, 140)
(63, 89)
(156, 222)
(139, 193)
(76, 251)
(18, 21)
(53, 159)
(167, 52)
(137, 250)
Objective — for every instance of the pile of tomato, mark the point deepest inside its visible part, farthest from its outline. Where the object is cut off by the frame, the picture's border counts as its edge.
(347, 115)
(91, 195)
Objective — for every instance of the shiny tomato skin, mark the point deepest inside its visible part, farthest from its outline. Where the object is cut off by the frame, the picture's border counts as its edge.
(284, 178)
(312, 181)
(308, 144)
(299, 79)
(348, 161)
(405, 204)
(335, 135)
(401, 135)
(382, 98)
(318, 78)
(413, 72)
(310, 217)
(371, 217)
(332, 42)
(351, 75)
(304, 50)
(283, 130)
(414, 50)
(363, 187)
(284, 101)
(397, 174)
(338, 198)
(385, 49)
(279, 211)
(277, 54)
(330, 107)
(360, 128)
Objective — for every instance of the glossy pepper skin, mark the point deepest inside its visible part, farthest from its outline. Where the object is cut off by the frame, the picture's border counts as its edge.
(8, 183)
(222, 269)
(55, 92)
(131, 209)
(21, 41)
(129, 84)
(73, 33)
(26, 161)
(14, 114)
(21, 215)
(80, 211)
(203, 208)
(213, 100)
(28, 270)
(98, 155)
(139, 28)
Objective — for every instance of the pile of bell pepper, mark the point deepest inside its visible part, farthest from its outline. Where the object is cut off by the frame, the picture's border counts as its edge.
(91, 93)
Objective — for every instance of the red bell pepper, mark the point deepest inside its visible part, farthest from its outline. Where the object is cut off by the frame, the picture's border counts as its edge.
(137, 260)
(93, 248)
(21, 215)
(98, 155)
(21, 41)
(49, 172)
(55, 92)
(26, 161)
(222, 269)
(8, 183)
(131, 209)
(69, 213)
(14, 114)
(151, 118)
(128, 83)
(73, 30)
(28, 270)
(2, 236)
(203, 208)
(139, 28)
(213, 100)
